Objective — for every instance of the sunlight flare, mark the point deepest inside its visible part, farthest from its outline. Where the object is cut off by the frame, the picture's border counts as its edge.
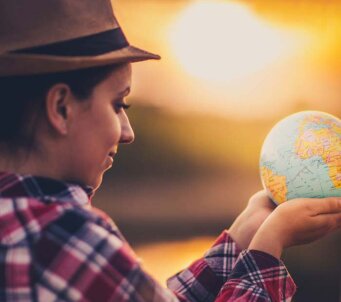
(220, 41)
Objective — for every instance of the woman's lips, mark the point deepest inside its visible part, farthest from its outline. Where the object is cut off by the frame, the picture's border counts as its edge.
(110, 159)
(111, 156)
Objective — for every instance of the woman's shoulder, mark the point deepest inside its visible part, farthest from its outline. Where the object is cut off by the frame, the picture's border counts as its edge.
(29, 219)
(81, 221)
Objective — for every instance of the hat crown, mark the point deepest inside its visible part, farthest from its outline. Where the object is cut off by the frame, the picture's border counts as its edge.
(30, 23)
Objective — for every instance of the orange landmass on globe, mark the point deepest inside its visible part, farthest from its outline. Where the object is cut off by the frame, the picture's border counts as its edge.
(276, 184)
(324, 142)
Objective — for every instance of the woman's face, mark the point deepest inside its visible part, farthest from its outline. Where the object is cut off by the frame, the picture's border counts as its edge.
(100, 125)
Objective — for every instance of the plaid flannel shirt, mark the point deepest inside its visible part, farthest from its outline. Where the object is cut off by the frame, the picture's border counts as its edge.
(55, 247)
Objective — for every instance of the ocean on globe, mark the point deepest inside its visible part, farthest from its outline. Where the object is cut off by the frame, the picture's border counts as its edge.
(301, 157)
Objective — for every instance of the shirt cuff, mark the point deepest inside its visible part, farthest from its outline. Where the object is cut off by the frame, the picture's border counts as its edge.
(266, 272)
(203, 279)
(222, 256)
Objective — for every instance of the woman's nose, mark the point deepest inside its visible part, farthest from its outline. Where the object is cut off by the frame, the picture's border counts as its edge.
(127, 132)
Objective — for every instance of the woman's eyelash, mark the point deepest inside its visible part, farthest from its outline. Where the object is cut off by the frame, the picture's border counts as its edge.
(124, 106)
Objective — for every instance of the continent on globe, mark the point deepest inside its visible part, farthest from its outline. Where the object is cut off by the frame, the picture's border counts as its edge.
(323, 142)
(276, 184)
(301, 157)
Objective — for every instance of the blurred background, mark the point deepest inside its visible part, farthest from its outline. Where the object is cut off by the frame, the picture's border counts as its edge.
(229, 71)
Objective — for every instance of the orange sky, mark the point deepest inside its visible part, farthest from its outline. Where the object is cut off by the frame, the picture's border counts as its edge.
(303, 74)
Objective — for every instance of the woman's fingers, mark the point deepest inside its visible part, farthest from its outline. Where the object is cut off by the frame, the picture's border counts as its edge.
(318, 206)
(327, 205)
(329, 222)
(261, 199)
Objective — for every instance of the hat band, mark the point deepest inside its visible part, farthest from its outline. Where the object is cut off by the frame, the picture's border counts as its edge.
(92, 45)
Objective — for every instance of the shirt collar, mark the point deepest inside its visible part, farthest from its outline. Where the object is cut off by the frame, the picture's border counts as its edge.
(43, 188)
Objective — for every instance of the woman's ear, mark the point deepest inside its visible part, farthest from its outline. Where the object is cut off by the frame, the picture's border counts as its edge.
(59, 101)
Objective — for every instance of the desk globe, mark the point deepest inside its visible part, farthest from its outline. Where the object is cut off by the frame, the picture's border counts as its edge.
(301, 157)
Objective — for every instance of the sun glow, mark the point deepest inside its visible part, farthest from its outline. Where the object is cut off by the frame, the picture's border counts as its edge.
(220, 41)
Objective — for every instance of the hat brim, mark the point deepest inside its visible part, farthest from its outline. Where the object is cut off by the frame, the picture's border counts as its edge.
(14, 64)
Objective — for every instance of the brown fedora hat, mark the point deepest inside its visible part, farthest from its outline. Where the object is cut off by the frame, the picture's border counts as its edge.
(45, 36)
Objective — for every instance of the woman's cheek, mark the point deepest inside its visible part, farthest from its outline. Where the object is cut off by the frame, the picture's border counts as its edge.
(114, 133)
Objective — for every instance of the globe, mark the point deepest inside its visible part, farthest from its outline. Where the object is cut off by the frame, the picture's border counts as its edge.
(301, 157)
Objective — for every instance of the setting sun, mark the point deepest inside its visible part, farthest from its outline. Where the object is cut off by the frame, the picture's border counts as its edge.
(221, 41)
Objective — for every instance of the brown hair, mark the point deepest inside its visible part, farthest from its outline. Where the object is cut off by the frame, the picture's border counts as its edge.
(23, 98)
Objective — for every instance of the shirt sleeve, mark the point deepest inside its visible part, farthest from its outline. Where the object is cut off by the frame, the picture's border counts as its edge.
(226, 274)
(203, 279)
(258, 277)
(77, 259)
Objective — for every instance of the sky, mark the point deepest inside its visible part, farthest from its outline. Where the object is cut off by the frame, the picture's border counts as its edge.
(240, 59)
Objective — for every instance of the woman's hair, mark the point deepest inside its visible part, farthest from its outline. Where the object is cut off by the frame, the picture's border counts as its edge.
(22, 101)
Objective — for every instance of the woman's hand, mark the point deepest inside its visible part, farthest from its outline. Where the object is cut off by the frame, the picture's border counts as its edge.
(296, 222)
(248, 222)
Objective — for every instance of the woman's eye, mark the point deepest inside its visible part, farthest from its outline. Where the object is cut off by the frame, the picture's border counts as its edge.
(119, 106)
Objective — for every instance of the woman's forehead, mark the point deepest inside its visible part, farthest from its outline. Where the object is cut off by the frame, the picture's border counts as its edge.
(119, 81)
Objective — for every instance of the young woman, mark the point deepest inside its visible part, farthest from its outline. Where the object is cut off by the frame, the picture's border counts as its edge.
(64, 74)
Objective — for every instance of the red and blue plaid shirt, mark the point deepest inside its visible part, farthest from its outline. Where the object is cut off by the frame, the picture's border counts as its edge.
(55, 247)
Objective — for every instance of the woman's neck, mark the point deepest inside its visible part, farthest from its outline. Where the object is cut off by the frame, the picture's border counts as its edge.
(27, 163)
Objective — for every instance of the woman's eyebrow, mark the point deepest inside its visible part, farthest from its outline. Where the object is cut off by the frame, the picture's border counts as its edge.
(125, 92)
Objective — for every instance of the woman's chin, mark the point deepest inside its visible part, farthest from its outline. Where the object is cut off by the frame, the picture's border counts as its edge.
(93, 181)
(96, 183)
